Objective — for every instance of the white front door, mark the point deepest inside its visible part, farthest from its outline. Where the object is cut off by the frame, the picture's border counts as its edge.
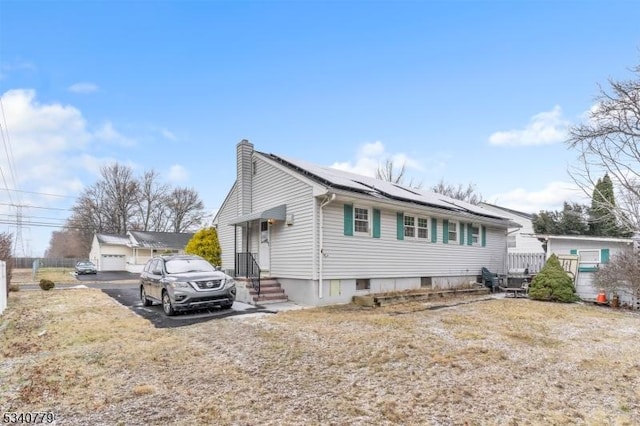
(265, 245)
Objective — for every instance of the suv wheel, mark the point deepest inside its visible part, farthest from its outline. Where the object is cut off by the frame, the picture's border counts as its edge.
(167, 307)
(143, 297)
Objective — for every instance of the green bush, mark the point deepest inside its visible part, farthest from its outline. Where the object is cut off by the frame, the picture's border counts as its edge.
(46, 285)
(204, 243)
(553, 283)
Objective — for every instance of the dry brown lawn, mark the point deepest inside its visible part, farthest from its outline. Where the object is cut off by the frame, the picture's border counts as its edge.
(81, 355)
(57, 275)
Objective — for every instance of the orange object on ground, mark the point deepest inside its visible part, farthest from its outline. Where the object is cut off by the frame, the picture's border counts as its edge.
(602, 297)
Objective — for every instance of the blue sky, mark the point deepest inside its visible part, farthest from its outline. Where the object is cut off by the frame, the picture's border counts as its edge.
(471, 92)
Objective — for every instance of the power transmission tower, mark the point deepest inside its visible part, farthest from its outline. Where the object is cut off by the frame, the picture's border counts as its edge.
(18, 246)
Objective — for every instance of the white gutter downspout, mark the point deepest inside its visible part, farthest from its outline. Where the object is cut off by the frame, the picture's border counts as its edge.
(326, 202)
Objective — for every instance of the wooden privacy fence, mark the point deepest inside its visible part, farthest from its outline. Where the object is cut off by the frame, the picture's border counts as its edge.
(520, 261)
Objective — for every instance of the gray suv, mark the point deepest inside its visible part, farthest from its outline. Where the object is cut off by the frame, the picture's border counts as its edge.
(183, 282)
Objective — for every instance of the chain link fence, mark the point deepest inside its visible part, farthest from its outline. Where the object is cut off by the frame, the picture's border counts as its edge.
(44, 262)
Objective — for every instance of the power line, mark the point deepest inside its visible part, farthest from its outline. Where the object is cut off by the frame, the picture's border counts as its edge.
(18, 246)
(9, 150)
(42, 193)
(35, 217)
(37, 207)
(43, 224)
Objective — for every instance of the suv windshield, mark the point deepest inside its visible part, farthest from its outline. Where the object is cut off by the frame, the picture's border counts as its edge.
(178, 266)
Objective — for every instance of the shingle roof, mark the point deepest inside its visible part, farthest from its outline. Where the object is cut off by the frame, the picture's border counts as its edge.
(512, 211)
(160, 240)
(113, 239)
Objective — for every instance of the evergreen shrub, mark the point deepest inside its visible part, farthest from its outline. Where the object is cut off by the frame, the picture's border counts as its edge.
(46, 285)
(553, 283)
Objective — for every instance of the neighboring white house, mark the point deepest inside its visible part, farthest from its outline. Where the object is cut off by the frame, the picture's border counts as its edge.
(306, 224)
(520, 239)
(591, 252)
(112, 252)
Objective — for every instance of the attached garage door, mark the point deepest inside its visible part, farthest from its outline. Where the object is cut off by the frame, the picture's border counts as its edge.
(113, 262)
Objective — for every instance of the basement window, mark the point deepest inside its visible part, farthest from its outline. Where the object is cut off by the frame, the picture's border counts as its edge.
(363, 284)
(426, 282)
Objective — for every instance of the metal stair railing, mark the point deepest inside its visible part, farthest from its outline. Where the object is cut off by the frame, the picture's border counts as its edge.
(246, 266)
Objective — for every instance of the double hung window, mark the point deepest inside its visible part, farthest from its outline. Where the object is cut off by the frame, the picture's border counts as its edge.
(453, 232)
(361, 220)
(416, 227)
(409, 227)
(475, 234)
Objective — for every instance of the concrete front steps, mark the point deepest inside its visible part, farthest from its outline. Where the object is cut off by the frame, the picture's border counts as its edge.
(384, 299)
(270, 291)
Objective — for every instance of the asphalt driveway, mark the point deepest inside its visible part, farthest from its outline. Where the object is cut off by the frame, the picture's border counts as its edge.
(129, 297)
(109, 276)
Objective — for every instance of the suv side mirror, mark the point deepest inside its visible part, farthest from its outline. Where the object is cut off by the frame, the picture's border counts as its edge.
(218, 268)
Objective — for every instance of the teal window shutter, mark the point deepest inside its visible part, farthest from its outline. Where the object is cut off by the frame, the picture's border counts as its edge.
(604, 256)
(400, 226)
(445, 231)
(376, 223)
(483, 236)
(461, 233)
(469, 234)
(434, 230)
(348, 219)
(573, 251)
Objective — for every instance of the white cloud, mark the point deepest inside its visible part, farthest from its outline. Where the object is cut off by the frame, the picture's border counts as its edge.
(108, 133)
(178, 173)
(168, 134)
(41, 131)
(551, 197)
(83, 88)
(372, 154)
(50, 153)
(374, 149)
(544, 128)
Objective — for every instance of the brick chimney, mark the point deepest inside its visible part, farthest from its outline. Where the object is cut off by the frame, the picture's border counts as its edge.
(244, 152)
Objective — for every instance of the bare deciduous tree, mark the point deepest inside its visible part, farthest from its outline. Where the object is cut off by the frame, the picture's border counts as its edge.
(185, 209)
(68, 243)
(119, 202)
(459, 192)
(622, 274)
(389, 173)
(121, 189)
(609, 142)
(150, 205)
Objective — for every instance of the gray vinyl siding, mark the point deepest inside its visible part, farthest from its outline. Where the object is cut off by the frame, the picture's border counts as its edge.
(291, 245)
(227, 213)
(368, 257)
